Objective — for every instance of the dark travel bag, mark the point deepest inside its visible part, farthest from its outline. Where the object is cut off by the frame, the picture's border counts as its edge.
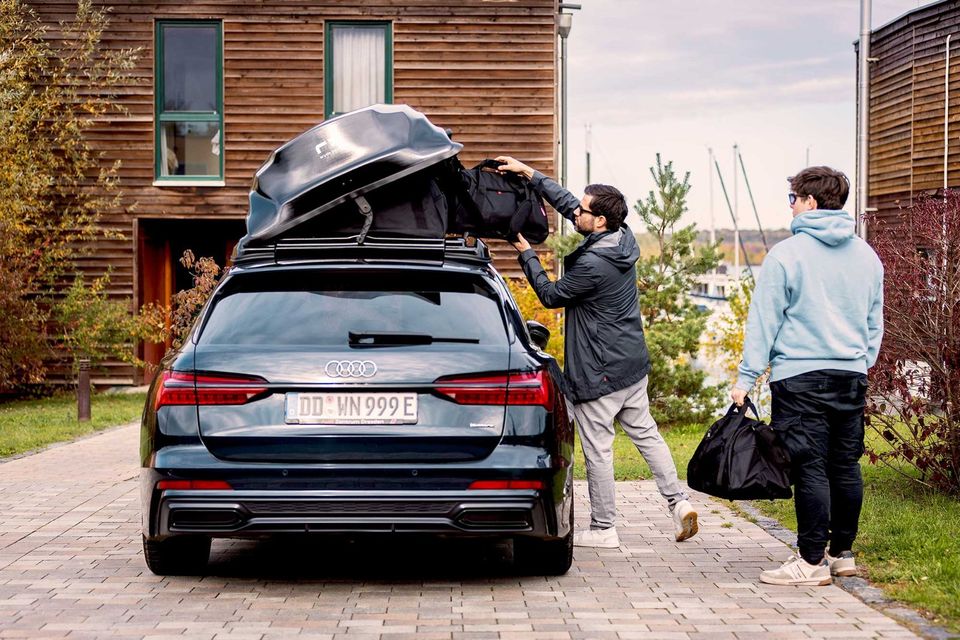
(414, 207)
(491, 204)
(741, 458)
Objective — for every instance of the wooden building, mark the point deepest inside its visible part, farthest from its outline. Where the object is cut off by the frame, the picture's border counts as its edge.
(224, 82)
(908, 141)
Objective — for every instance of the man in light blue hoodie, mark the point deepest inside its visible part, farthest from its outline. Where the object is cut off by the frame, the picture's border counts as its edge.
(816, 319)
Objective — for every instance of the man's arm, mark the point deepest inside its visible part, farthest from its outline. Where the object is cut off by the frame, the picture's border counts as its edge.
(575, 283)
(558, 197)
(764, 320)
(875, 324)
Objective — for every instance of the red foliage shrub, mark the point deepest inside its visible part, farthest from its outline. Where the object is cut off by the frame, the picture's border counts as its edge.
(915, 386)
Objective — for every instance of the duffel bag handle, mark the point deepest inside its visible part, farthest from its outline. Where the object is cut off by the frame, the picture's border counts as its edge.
(490, 164)
(737, 414)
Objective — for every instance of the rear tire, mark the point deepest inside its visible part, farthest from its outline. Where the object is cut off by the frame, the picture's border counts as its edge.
(180, 556)
(545, 557)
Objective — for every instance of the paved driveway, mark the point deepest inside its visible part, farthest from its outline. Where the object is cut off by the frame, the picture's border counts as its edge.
(71, 567)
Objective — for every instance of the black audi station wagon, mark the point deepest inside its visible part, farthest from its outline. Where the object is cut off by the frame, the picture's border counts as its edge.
(358, 384)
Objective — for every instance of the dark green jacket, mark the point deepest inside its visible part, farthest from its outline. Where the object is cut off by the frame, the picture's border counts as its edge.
(604, 347)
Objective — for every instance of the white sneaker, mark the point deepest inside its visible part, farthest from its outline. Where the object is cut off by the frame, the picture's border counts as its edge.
(684, 520)
(798, 572)
(843, 565)
(597, 538)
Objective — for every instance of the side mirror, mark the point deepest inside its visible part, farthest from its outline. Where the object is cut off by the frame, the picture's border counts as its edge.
(539, 333)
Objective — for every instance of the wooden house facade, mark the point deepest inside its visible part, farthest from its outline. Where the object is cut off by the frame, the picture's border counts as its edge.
(221, 83)
(909, 141)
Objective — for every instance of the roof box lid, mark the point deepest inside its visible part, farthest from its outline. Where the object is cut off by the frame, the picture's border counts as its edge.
(341, 158)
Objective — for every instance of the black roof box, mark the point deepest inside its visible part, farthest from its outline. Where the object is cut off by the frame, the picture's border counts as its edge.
(340, 159)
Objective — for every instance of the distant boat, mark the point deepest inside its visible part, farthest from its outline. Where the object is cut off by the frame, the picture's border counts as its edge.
(711, 289)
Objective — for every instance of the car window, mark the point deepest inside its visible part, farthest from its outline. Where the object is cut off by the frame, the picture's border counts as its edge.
(324, 309)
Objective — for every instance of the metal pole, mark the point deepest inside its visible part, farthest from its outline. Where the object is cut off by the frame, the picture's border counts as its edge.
(713, 221)
(588, 152)
(83, 391)
(563, 110)
(564, 22)
(863, 117)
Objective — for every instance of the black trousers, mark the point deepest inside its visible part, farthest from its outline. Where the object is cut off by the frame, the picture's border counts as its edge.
(819, 417)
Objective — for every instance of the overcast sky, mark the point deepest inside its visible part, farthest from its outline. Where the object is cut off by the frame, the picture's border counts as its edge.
(774, 76)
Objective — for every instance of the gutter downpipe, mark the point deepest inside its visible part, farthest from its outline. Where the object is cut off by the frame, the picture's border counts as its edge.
(863, 116)
(946, 117)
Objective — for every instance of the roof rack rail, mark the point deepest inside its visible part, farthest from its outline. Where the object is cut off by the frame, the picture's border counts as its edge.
(346, 249)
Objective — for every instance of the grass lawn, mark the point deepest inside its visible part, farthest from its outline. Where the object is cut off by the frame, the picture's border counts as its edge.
(908, 543)
(26, 425)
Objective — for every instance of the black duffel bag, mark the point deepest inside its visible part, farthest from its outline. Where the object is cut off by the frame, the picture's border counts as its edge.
(414, 206)
(740, 458)
(492, 204)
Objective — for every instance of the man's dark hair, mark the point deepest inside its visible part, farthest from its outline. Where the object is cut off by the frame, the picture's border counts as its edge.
(828, 186)
(608, 202)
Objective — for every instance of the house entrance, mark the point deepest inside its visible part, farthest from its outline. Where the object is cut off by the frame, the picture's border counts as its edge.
(161, 244)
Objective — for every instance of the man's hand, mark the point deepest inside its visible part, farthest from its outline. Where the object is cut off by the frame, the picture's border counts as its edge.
(738, 396)
(515, 166)
(520, 244)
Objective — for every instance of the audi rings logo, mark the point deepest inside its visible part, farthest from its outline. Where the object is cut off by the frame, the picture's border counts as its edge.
(350, 369)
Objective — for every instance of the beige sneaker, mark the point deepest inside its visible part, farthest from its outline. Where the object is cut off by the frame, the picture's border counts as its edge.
(843, 565)
(684, 520)
(597, 538)
(798, 572)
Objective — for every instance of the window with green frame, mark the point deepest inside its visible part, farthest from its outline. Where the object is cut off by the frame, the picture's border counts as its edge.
(357, 65)
(189, 101)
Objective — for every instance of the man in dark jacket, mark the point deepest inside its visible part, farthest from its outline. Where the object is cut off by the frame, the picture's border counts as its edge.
(606, 360)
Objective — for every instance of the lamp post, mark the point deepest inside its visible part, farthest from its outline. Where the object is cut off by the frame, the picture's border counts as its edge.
(863, 117)
(564, 24)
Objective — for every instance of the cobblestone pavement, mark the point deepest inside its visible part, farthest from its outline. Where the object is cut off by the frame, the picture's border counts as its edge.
(71, 567)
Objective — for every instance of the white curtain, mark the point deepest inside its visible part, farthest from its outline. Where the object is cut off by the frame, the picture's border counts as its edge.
(359, 67)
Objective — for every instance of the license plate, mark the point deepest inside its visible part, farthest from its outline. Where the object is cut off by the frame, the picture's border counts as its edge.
(351, 408)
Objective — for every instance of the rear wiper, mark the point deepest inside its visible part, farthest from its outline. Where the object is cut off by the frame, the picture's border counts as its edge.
(387, 339)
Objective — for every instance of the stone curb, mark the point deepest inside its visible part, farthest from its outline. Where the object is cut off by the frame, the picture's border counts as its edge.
(858, 587)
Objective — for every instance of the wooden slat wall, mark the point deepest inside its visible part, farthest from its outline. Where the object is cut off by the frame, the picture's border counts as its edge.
(483, 68)
(907, 106)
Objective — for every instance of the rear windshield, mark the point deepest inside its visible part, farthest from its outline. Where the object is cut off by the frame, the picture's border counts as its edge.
(323, 309)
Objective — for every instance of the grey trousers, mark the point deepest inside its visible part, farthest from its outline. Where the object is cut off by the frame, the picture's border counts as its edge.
(631, 407)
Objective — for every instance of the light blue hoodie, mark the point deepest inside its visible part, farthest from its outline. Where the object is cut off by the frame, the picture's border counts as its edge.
(818, 303)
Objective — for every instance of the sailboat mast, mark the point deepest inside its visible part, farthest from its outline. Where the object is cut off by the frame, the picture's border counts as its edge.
(736, 217)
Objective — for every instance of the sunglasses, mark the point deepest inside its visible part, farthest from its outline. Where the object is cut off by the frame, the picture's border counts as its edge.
(792, 197)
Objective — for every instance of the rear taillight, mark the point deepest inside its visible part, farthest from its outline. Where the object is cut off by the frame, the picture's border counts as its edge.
(525, 388)
(175, 388)
(180, 388)
(494, 485)
(195, 485)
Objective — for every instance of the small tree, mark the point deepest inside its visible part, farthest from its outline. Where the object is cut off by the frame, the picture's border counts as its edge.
(672, 322)
(92, 325)
(53, 186)
(914, 401)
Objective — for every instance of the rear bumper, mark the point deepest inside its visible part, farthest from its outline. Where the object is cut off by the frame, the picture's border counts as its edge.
(251, 513)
